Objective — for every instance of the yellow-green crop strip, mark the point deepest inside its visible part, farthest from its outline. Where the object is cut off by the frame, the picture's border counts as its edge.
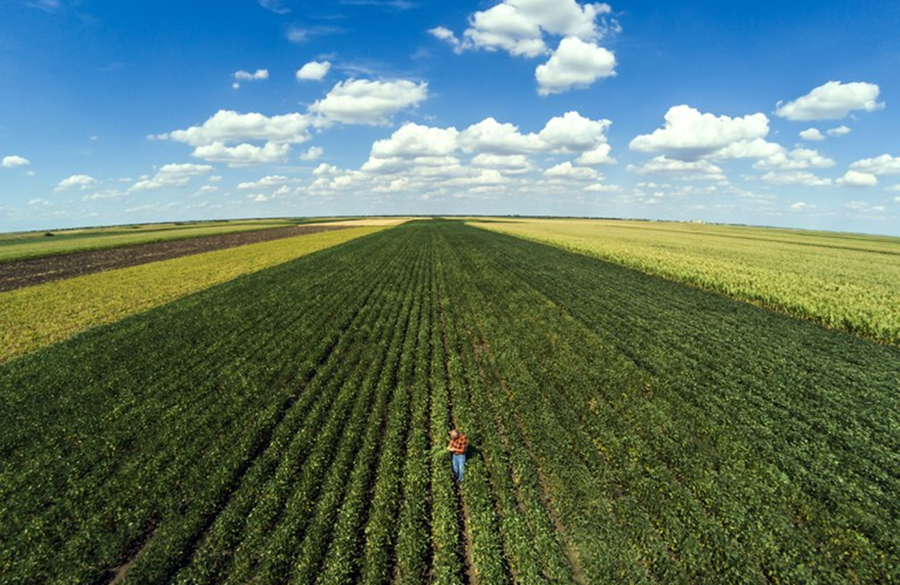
(38, 316)
(846, 281)
(19, 246)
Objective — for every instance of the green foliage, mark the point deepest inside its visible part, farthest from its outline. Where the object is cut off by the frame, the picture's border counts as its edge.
(844, 281)
(38, 316)
(290, 426)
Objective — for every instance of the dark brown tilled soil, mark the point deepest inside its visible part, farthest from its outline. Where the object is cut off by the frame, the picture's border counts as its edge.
(22, 273)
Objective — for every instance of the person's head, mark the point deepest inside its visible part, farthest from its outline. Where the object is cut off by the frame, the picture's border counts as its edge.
(454, 433)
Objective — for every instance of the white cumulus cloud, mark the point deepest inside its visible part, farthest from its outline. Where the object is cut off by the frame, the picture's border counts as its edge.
(313, 71)
(812, 134)
(688, 134)
(839, 131)
(171, 175)
(567, 170)
(799, 158)
(413, 140)
(255, 76)
(495, 137)
(756, 148)
(573, 132)
(445, 34)
(697, 169)
(510, 163)
(596, 156)
(483, 159)
(832, 101)
(243, 154)
(13, 161)
(569, 133)
(803, 178)
(313, 153)
(522, 28)
(76, 181)
(518, 26)
(880, 165)
(574, 64)
(858, 179)
(505, 27)
(360, 101)
(267, 182)
(230, 126)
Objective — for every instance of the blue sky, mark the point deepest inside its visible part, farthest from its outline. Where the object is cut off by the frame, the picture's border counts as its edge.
(769, 113)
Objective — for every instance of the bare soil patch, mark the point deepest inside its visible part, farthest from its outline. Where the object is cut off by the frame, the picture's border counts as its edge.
(22, 273)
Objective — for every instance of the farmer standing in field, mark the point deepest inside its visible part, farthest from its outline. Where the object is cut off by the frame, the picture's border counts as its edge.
(458, 445)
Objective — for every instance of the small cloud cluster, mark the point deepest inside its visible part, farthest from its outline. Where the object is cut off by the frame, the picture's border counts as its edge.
(258, 75)
(832, 101)
(839, 131)
(226, 137)
(797, 159)
(485, 158)
(812, 134)
(76, 182)
(312, 153)
(243, 154)
(233, 138)
(690, 135)
(313, 71)
(14, 161)
(858, 179)
(880, 165)
(268, 188)
(801, 178)
(815, 135)
(522, 28)
(231, 126)
(574, 64)
(864, 173)
(691, 144)
(171, 175)
(371, 102)
(694, 170)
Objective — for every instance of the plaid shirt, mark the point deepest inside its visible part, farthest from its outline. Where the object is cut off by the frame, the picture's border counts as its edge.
(459, 444)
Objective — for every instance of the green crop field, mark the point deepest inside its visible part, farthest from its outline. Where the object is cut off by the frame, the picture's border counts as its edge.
(285, 427)
(846, 281)
(37, 316)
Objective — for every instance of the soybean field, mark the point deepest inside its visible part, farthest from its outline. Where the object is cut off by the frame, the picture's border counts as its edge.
(845, 281)
(286, 426)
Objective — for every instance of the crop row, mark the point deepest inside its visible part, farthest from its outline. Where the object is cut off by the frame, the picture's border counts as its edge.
(844, 281)
(287, 427)
(42, 315)
(142, 430)
(734, 441)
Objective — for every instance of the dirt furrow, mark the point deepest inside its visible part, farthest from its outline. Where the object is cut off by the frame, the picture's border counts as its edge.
(30, 272)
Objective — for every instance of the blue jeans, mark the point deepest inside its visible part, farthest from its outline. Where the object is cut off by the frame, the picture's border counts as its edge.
(459, 466)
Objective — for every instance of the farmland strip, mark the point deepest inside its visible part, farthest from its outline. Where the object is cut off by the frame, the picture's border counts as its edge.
(30, 272)
(316, 538)
(39, 316)
(622, 428)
